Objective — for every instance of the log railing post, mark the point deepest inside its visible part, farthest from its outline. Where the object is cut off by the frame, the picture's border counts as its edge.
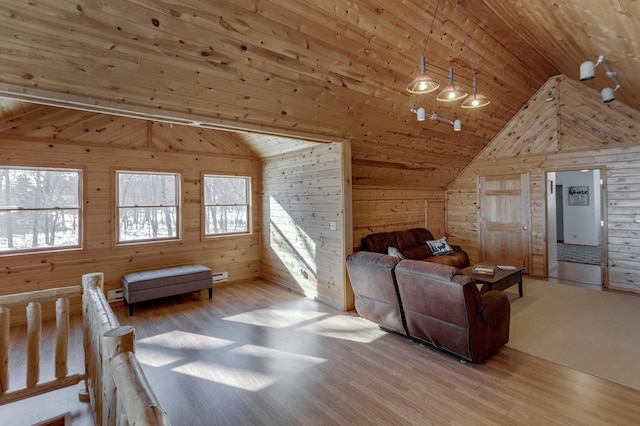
(94, 280)
(34, 332)
(116, 341)
(5, 315)
(90, 282)
(62, 337)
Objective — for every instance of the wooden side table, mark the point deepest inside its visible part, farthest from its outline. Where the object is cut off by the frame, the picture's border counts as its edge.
(501, 280)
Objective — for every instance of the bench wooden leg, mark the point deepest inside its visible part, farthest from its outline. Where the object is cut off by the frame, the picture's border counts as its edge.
(210, 292)
(129, 305)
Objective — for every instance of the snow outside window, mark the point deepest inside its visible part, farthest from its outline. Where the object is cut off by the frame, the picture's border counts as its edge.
(226, 204)
(148, 206)
(40, 209)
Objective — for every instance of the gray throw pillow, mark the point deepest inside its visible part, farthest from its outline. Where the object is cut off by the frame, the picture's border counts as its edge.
(392, 251)
(440, 247)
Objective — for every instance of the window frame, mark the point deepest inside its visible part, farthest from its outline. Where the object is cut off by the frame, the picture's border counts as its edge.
(81, 211)
(248, 205)
(118, 242)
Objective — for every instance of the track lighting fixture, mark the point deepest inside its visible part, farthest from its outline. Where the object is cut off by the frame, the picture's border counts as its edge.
(587, 72)
(422, 115)
(550, 97)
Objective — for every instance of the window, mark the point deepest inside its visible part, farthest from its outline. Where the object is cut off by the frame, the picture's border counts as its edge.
(147, 206)
(40, 209)
(226, 204)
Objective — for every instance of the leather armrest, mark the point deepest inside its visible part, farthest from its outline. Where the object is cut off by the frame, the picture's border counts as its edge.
(495, 306)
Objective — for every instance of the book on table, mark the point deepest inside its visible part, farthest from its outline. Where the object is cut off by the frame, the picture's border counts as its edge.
(486, 270)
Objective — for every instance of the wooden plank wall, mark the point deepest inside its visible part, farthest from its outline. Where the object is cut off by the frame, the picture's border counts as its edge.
(573, 131)
(136, 145)
(302, 192)
(385, 209)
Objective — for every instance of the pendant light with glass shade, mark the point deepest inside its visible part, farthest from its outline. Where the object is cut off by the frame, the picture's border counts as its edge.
(476, 100)
(451, 92)
(424, 83)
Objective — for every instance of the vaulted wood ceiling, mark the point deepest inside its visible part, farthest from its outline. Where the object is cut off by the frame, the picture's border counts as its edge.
(320, 70)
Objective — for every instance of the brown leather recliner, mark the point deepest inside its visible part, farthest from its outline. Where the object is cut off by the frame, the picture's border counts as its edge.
(444, 308)
(376, 293)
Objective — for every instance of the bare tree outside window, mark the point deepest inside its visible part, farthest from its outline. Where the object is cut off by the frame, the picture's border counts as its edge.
(40, 209)
(148, 206)
(226, 204)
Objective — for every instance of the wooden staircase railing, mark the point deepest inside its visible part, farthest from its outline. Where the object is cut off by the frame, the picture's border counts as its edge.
(115, 384)
(33, 301)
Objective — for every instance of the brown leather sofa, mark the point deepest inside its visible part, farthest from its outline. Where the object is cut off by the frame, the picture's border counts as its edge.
(429, 303)
(412, 244)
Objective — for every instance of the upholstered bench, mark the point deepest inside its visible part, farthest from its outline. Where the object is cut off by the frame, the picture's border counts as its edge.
(148, 285)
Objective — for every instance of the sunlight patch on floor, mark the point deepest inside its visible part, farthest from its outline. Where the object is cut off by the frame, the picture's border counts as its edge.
(276, 318)
(250, 367)
(333, 326)
(337, 328)
(167, 348)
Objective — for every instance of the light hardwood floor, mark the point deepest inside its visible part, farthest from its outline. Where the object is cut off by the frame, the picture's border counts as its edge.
(580, 274)
(260, 355)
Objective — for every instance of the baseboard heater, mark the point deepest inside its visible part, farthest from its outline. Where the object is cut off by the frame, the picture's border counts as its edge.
(115, 295)
(219, 277)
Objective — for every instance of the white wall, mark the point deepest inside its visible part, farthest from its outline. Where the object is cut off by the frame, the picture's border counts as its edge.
(581, 222)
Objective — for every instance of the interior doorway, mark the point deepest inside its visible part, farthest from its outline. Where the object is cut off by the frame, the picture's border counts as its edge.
(575, 227)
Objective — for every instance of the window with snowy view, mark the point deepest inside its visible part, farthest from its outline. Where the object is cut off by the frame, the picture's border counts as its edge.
(40, 209)
(148, 206)
(226, 204)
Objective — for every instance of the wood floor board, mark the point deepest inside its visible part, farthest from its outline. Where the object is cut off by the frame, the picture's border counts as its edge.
(579, 274)
(257, 354)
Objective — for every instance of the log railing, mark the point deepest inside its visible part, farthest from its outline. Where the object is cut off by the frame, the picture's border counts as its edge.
(33, 301)
(115, 381)
(115, 384)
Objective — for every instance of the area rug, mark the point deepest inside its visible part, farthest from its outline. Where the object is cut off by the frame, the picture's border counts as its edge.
(579, 254)
(596, 332)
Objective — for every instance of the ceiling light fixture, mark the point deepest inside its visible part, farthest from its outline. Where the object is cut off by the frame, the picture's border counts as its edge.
(550, 97)
(476, 100)
(451, 92)
(422, 83)
(425, 84)
(422, 115)
(587, 72)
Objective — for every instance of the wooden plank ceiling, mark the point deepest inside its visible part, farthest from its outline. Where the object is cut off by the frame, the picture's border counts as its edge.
(326, 70)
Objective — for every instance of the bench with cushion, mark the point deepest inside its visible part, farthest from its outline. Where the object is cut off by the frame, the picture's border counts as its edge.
(148, 285)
